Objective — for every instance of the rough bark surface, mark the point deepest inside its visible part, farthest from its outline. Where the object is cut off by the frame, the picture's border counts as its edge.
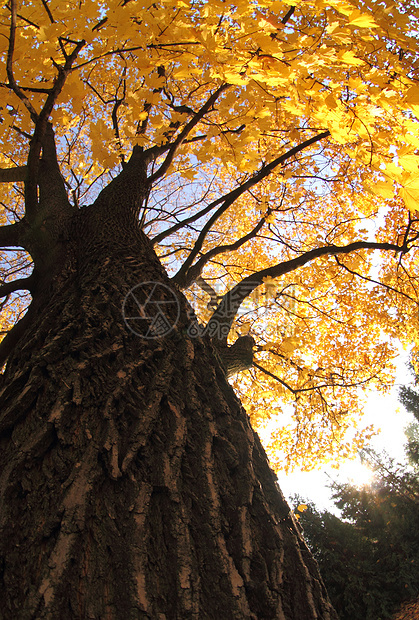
(131, 484)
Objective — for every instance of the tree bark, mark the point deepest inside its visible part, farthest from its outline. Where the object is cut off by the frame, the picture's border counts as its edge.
(132, 485)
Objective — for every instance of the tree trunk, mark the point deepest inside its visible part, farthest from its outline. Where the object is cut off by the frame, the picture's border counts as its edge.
(132, 485)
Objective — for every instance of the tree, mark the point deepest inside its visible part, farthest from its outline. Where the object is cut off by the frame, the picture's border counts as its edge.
(242, 144)
(368, 557)
(410, 399)
(347, 565)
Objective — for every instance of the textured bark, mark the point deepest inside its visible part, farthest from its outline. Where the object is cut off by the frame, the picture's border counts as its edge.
(237, 357)
(131, 484)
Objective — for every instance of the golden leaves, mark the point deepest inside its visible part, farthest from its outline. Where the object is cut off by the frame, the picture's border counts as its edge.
(290, 344)
(202, 45)
(383, 188)
(148, 68)
(362, 20)
(412, 95)
(349, 58)
(410, 194)
(300, 509)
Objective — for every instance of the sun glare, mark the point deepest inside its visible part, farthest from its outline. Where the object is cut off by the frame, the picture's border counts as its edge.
(356, 473)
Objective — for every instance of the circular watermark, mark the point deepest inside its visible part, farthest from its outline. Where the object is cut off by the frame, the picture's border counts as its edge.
(151, 310)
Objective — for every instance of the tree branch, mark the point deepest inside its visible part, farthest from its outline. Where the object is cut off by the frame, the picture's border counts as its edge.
(12, 175)
(181, 277)
(47, 9)
(155, 151)
(270, 374)
(170, 231)
(52, 190)
(288, 15)
(313, 388)
(223, 317)
(12, 235)
(16, 285)
(195, 271)
(213, 303)
(41, 126)
(129, 188)
(372, 281)
(186, 131)
(9, 63)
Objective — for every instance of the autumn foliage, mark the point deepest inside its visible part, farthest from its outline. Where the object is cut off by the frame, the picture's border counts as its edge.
(282, 139)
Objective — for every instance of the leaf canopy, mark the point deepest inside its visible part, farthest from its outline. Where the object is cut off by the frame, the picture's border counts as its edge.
(279, 133)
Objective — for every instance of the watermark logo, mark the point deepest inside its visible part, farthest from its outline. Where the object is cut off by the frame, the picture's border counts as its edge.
(151, 310)
(214, 329)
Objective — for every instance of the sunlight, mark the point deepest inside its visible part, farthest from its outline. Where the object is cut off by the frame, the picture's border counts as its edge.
(356, 473)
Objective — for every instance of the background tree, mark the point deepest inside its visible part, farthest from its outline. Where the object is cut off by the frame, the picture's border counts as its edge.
(254, 146)
(410, 399)
(369, 556)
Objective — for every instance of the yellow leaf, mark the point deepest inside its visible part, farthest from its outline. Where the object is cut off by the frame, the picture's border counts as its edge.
(392, 171)
(290, 344)
(330, 101)
(181, 73)
(412, 95)
(271, 19)
(349, 58)
(189, 174)
(410, 194)
(235, 78)
(383, 188)
(409, 163)
(158, 121)
(302, 507)
(267, 346)
(362, 20)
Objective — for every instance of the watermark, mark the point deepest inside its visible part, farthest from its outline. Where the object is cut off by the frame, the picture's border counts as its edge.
(151, 310)
(214, 328)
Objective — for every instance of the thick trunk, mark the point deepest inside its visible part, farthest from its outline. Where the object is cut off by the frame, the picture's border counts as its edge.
(131, 483)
